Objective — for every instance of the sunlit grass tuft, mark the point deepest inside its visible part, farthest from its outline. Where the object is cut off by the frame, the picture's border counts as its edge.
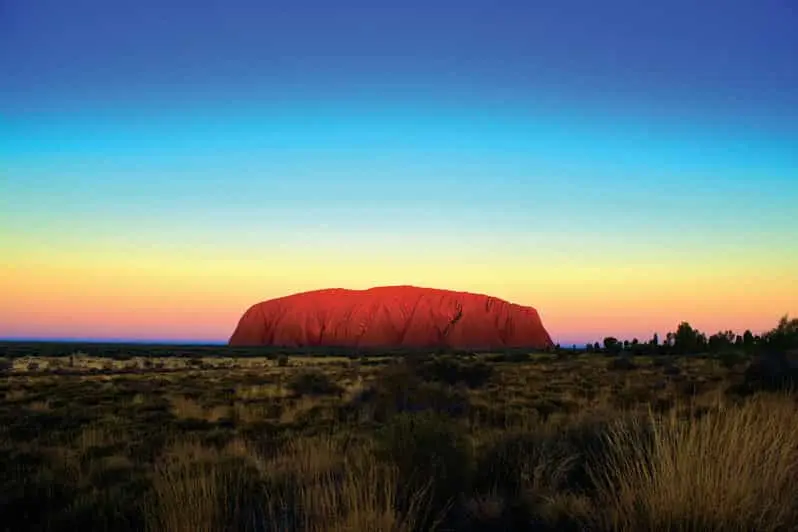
(731, 469)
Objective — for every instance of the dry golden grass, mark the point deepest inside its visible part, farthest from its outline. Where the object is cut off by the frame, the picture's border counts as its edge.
(252, 392)
(15, 395)
(732, 469)
(39, 406)
(94, 436)
(298, 408)
(217, 443)
(311, 484)
(248, 413)
(184, 408)
(190, 488)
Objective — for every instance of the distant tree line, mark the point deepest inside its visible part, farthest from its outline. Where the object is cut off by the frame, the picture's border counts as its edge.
(688, 340)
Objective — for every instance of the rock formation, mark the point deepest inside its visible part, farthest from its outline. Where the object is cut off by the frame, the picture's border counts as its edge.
(391, 317)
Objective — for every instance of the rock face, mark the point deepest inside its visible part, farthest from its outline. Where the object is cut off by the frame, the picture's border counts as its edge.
(392, 316)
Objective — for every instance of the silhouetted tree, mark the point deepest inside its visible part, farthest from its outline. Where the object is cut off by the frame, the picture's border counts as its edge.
(748, 340)
(720, 341)
(686, 339)
(670, 339)
(611, 344)
(701, 342)
(784, 336)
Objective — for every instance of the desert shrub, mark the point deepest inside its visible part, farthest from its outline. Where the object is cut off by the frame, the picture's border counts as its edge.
(381, 361)
(6, 365)
(33, 366)
(621, 364)
(451, 371)
(511, 357)
(426, 397)
(398, 389)
(522, 461)
(313, 382)
(771, 372)
(580, 444)
(283, 361)
(729, 359)
(430, 452)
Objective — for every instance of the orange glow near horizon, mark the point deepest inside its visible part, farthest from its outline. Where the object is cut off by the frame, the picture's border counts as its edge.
(165, 297)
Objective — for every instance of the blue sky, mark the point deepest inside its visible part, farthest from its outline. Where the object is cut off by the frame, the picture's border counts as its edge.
(515, 130)
(714, 57)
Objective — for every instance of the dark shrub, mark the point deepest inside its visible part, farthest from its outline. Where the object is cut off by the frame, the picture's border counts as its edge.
(313, 382)
(622, 364)
(451, 371)
(772, 371)
(431, 453)
(398, 389)
(511, 357)
(528, 470)
(730, 359)
(524, 460)
(283, 361)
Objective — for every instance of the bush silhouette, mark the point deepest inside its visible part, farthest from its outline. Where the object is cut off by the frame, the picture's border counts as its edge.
(398, 389)
(431, 453)
(621, 363)
(520, 461)
(772, 371)
(512, 357)
(450, 371)
(313, 382)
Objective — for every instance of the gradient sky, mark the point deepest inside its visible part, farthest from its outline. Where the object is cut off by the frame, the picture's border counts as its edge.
(619, 165)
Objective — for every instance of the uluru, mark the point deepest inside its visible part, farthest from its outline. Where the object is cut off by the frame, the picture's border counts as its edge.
(391, 317)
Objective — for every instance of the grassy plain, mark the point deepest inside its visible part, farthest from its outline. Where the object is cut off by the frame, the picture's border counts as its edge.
(207, 439)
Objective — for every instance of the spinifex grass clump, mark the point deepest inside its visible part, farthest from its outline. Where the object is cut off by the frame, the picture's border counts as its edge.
(312, 485)
(731, 469)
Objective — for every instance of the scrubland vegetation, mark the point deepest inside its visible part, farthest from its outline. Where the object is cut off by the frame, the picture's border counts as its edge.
(216, 439)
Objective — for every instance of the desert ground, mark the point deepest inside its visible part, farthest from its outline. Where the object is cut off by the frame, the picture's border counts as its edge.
(215, 438)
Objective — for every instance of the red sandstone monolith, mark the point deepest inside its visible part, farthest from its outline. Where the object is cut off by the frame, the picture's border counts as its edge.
(391, 317)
